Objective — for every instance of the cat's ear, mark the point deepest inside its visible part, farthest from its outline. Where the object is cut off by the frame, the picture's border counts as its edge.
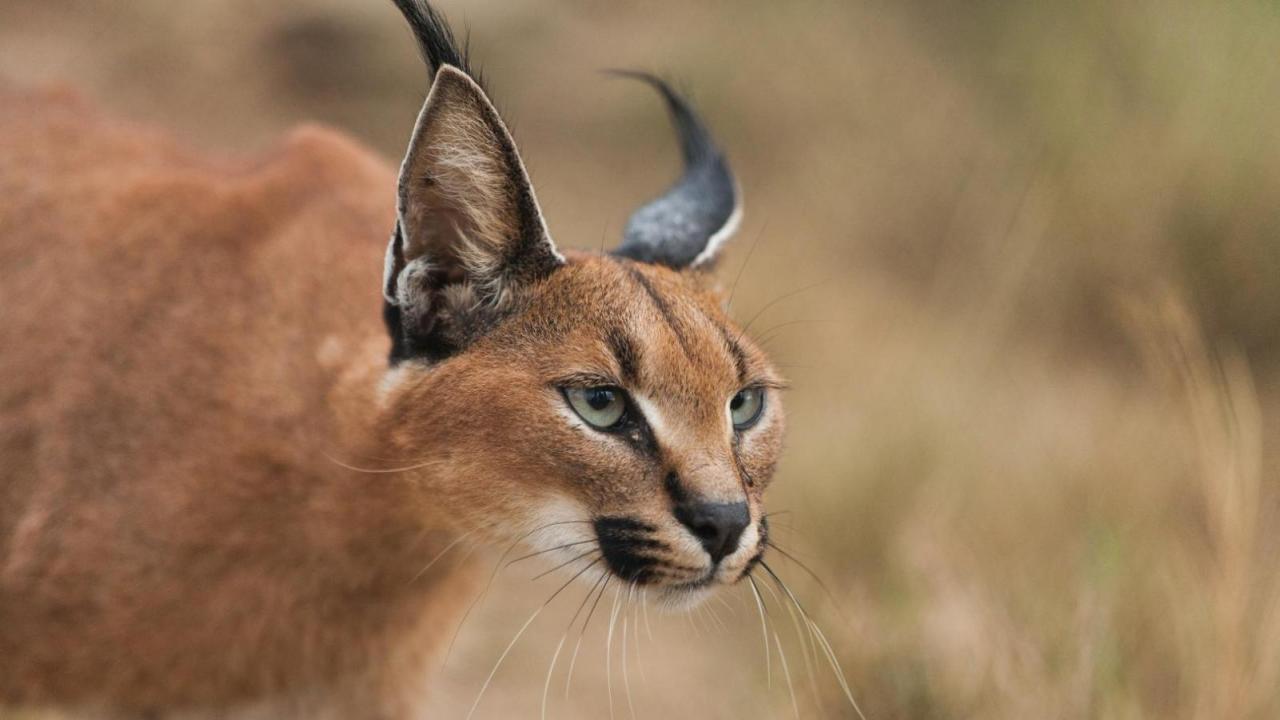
(685, 226)
(468, 231)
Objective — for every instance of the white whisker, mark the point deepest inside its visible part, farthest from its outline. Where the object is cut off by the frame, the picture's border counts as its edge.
(441, 554)
(626, 675)
(520, 632)
(604, 577)
(502, 657)
(808, 649)
(835, 667)
(377, 471)
(644, 604)
(764, 633)
(786, 673)
(635, 632)
(546, 686)
(817, 634)
(568, 678)
(497, 567)
(608, 649)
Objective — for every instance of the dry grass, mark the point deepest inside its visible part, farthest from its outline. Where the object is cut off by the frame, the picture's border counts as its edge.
(1032, 451)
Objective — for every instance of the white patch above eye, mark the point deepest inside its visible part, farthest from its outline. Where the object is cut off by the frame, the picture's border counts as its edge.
(652, 416)
(662, 432)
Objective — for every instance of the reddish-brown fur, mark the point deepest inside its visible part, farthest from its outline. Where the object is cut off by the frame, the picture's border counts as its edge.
(193, 355)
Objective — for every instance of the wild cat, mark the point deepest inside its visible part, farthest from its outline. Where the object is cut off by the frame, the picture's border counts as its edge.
(230, 456)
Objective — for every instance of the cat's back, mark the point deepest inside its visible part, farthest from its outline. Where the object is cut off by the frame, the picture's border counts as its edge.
(165, 319)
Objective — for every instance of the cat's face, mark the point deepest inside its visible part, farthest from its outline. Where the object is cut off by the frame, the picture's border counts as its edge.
(618, 418)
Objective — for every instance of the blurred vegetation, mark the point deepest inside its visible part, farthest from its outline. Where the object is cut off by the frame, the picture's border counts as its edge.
(1032, 451)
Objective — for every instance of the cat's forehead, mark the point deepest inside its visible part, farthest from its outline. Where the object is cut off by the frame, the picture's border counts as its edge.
(654, 327)
(622, 285)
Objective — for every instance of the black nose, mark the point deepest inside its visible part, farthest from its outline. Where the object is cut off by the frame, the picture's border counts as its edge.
(717, 525)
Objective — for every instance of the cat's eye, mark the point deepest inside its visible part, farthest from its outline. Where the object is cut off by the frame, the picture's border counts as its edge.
(745, 407)
(603, 408)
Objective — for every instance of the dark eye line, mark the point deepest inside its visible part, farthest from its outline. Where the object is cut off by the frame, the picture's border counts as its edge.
(632, 428)
(632, 418)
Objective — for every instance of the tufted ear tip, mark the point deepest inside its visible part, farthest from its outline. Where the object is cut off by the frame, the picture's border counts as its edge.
(686, 226)
(466, 215)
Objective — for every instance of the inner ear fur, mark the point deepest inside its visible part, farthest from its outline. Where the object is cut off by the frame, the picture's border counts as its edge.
(469, 228)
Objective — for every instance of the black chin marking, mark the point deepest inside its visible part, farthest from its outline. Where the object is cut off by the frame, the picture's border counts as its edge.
(628, 546)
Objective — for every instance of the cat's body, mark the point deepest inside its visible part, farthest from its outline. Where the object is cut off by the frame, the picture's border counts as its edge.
(171, 404)
(218, 498)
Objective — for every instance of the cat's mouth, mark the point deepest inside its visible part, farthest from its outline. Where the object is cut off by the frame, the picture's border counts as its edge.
(634, 551)
(691, 587)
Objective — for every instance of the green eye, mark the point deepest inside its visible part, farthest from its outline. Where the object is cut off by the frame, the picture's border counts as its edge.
(745, 407)
(603, 408)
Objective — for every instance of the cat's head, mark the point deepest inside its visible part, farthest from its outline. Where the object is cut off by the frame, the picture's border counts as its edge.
(599, 406)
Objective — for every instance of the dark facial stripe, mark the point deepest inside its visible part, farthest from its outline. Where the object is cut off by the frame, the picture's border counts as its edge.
(638, 435)
(624, 351)
(743, 474)
(617, 524)
(735, 351)
(629, 548)
(664, 308)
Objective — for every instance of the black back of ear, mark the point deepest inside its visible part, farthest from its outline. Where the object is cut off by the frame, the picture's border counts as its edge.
(469, 231)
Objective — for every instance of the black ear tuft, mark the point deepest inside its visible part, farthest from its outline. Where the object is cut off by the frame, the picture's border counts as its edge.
(687, 224)
(435, 38)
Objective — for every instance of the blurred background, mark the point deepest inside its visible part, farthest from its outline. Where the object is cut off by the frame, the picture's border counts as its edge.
(1021, 262)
